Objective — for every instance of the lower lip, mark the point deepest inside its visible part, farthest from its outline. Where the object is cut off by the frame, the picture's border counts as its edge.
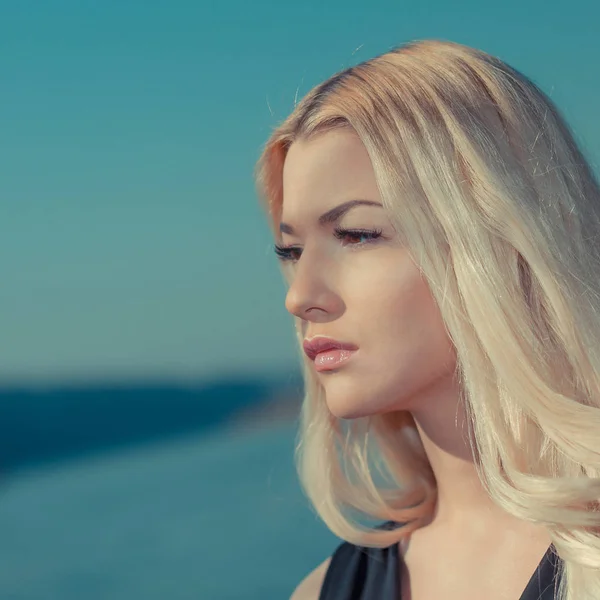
(332, 359)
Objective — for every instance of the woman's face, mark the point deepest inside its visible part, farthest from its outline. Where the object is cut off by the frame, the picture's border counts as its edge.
(359, 289)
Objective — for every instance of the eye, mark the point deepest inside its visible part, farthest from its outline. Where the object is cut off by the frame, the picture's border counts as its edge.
(368, 234)
(285, 253)
(365, 236)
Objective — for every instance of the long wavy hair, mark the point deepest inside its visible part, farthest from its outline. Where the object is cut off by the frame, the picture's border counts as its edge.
(486, 185)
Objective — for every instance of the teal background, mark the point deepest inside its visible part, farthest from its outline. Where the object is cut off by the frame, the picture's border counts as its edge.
(131, 241)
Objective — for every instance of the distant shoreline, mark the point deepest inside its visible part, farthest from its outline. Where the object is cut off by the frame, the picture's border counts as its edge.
(277, 410)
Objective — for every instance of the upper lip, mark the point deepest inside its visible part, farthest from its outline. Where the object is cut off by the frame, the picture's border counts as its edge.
(315, 345)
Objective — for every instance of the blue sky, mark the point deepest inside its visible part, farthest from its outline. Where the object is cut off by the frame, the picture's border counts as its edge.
(131, 241)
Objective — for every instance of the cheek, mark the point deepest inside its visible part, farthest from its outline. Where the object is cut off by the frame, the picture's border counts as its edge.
(404, 348)
(397, 307)
(414, 338)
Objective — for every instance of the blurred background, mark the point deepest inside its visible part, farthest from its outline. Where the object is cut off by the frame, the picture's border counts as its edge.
(149, 380)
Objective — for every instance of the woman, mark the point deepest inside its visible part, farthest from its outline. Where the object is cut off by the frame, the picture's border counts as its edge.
(439, 231)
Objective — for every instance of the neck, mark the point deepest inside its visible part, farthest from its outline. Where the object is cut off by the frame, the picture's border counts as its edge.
(462, 501)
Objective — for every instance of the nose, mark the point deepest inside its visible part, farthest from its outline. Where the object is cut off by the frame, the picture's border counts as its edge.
(310, 295)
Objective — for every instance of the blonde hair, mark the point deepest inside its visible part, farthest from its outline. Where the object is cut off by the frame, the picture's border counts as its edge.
(485, 184)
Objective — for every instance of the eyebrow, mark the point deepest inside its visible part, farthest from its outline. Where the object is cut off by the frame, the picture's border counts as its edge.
(333, 215)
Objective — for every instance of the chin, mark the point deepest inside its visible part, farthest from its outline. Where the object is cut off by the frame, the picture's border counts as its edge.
(347, 413)
(346, 399)
(344, 409)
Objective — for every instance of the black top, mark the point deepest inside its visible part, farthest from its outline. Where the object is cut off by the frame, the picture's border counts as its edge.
(359, 573)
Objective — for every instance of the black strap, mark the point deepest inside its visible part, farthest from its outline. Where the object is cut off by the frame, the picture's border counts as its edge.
(358, 573)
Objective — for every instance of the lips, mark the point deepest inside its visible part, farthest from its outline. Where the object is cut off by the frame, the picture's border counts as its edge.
(322, 344)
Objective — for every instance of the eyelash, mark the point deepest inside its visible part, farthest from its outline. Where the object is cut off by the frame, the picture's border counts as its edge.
(284, 253)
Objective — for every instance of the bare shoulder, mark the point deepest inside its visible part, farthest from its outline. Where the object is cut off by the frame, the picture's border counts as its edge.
(310, 587)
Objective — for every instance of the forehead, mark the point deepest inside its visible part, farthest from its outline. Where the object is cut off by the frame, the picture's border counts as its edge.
(339, 148)
(331, 165)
